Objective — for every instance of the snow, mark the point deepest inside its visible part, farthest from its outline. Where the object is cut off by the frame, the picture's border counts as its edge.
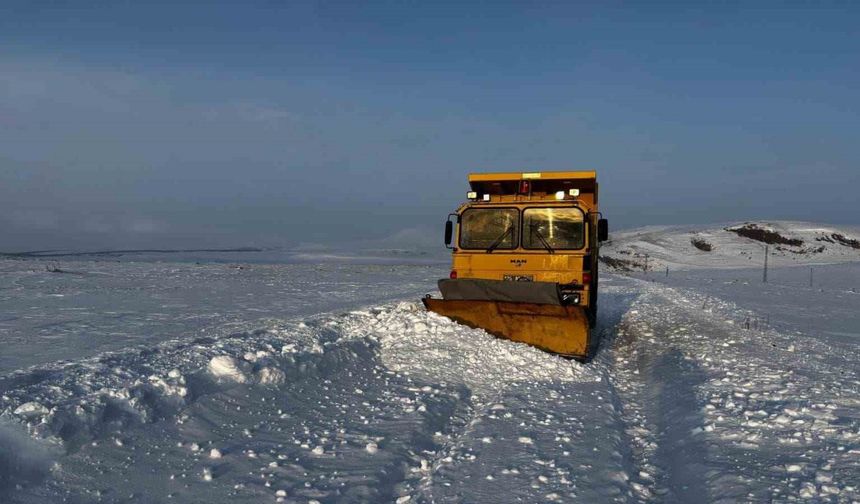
(271, 376)
(32, 408)
(112, 306)
(227, 368)
(672, 246)
(708, 386)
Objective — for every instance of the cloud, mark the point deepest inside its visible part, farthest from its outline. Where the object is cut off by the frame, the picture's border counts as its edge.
(101, 155)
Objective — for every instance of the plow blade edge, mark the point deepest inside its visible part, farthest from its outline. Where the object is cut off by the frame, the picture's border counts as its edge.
(559, 329)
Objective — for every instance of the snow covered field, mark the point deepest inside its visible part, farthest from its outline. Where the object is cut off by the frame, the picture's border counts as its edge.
(184, 382)
(96, 306)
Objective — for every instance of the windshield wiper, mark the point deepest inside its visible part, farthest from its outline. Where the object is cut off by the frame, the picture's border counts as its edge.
(543, 241)
(500, 239)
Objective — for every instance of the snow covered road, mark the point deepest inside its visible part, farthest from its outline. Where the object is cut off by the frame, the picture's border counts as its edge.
(734, 414)
(390, 403)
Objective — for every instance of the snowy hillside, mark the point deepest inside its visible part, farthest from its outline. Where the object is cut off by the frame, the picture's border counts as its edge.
(736, 245)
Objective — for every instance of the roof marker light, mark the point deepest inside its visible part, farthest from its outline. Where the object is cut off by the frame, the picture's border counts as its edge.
(559, 195)
(472, 195)
(573, 192)
(525, 187)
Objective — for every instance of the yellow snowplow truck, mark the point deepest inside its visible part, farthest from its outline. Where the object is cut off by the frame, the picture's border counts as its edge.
(524, 268)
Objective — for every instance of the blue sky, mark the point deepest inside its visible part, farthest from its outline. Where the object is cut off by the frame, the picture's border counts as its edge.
(277, 123)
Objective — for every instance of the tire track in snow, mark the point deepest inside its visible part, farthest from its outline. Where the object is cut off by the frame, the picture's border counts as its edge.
(658, 382)
(655, 388)
(720, 413)
(635, 437)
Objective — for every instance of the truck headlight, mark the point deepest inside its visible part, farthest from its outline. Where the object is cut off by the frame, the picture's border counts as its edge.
(572, 298)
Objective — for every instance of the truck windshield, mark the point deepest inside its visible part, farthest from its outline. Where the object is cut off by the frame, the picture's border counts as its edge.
(485, 228)
(560, 228)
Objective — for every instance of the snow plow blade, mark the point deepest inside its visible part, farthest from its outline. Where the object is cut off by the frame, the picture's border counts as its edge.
(558, 329)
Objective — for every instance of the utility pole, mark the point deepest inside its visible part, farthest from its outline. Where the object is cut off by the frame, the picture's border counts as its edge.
(646, 263)
(667, 271)
(810, 276)
(764, 277)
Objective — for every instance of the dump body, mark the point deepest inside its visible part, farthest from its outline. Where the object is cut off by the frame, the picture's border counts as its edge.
(524, 259)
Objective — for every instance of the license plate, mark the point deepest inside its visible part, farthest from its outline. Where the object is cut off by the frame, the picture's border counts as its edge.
(518, 278)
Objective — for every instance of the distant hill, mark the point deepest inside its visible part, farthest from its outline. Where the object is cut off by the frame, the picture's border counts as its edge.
(734, 245)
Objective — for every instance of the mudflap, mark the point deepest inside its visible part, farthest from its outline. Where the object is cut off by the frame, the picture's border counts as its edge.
(563, 330)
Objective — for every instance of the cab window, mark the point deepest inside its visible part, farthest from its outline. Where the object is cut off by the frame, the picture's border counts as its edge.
(490, 228)
(555, 228)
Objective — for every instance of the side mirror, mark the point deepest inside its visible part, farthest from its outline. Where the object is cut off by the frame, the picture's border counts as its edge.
(602, 230)
(449, 232)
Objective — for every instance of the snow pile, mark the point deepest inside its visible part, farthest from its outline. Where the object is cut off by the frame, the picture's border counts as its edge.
(271, 376)
(80, 401)
(737, 245)
(31, 409)
(374, 392)
(431, 347)
(227, 368)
